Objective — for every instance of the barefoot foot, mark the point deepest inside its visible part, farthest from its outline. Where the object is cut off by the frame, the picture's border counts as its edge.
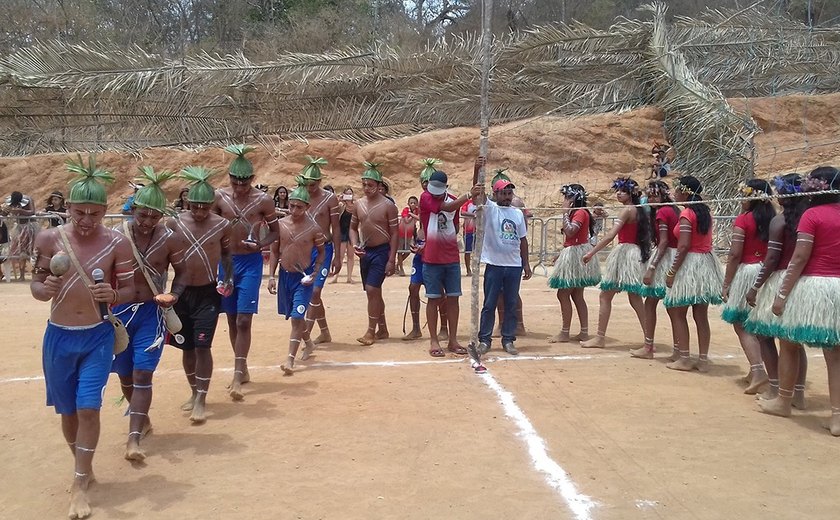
(79, 505)
(703, 365)
(596, 342)
(413, 334)
(563, 337)
(308, 348)
(367, 339)
(235, 392)
(133, 451)
(382, 334)
(798, 401)
(675, 356)
(147, 429)
(246, 376)
(581, 336)
(198, 415)
(643, 352)
(323, 337)
(777, 406)
(188, 404)
(757, 384)
(683, 364)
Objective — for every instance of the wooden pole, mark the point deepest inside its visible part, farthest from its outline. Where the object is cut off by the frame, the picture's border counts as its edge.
(483, 148)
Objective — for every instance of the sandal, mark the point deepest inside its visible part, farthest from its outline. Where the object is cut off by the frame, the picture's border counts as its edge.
(437, 353)
(459, 350)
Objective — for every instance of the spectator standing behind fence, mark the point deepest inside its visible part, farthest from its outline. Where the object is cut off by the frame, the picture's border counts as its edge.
(571, 275)
(4, 246)
(20, 207)
(182, 204)
(409, 217)
(346, 207)
(55, 209)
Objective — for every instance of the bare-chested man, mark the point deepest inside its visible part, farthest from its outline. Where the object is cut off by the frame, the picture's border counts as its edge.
(299, 234)
(154, 249)
(374, 236)
(78, 343)
(323, 208)
(247, 208)
(204, 239)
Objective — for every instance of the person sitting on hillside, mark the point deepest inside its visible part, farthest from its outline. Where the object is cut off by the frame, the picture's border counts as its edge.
(661, 166)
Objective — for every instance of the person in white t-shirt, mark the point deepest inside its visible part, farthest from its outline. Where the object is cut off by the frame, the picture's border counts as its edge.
(505, 255)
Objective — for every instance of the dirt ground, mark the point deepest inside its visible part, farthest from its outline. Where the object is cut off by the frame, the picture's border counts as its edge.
(389, 432)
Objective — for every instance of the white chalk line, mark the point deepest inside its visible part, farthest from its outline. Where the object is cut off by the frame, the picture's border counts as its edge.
(555, 475)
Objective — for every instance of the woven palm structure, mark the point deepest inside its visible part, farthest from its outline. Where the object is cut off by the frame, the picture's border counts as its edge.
(59, 97)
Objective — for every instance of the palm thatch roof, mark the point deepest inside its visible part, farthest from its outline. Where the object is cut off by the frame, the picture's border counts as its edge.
(60, 97)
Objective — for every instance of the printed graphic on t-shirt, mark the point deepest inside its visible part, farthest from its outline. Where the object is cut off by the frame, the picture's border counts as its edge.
(508, 230)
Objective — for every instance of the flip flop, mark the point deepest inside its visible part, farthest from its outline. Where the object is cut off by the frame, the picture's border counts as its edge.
(461, 351)
(437, 353)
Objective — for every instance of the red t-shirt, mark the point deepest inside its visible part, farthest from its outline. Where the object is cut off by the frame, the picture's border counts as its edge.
(823, 223)
(627, 233)
(581, 216)
(406, 230)
(440, 229)
(699, 243)
(469, 223)
(668, 216)
(754, 248)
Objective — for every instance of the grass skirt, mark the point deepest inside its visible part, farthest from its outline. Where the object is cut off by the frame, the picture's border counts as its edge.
(624, 270)
(657, 288)
(736, 310)
(811, 315)
(699, 281)
(570, 271)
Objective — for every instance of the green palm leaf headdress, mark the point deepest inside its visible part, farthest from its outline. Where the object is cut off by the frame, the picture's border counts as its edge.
(300, 193)
(312, 170)
(201, 191)
(372, 172)
(151, 195)
(240, 167)
(500, 175)
(429, 167)
(89, 185)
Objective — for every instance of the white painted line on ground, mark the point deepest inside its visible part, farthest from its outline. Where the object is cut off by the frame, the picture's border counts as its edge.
(555, 476)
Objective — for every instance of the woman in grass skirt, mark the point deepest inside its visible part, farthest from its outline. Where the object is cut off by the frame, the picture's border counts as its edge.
(808, 301)
(663, 220)
(626, 262)
(570, 274)
(750, 233)
(791, 360)
(694, 279)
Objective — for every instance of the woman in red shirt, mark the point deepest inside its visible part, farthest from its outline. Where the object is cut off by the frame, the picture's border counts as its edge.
(791, 360)
(626, 262)
(694, 278)
(748, 246)
(570, 274)
(808, 302)
(663, 219)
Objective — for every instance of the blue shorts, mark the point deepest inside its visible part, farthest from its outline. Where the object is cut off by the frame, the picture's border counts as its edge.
(442, 279)
(247, 277)
(76, 366)
(468, 242)
(292, 296)
(321, 278)
(146, 333)
(416, 270)
(373, 264)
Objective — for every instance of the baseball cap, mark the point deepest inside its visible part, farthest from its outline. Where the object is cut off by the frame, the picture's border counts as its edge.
(437, 183)
(501, 184)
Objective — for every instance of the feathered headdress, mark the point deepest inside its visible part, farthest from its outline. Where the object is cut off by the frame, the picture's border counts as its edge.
(201, 191)
(784, 187)
(151, 195)
(752, 193)
(658, 189)
(240, 167)
(575, 191)
(627, 185)
(429, 167)
(89, 185)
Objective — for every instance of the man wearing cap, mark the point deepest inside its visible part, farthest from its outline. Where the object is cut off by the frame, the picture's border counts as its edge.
(374, 236)
(505, 256)
(299, 235)
(322, 206)
(247, 208)
(204, 240)
(78, 343)
(155, 250)
(441, 259)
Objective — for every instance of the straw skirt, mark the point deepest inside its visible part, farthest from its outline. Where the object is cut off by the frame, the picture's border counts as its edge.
(699, 281)
(624, 270)
(811, 315)
(657, 288)
(736, 310)
(570, 271)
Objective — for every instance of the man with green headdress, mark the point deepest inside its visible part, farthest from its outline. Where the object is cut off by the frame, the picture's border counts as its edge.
(79, 343)
(205, 241)
(299, 235)
(374, 236)
(323, 208)
(247, 208)
(155, 250)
